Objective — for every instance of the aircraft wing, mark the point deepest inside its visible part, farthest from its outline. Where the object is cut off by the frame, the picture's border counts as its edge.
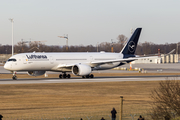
(96, 63)
(127, 60)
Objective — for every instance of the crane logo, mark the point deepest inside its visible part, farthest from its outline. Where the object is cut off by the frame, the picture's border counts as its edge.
(131, 46)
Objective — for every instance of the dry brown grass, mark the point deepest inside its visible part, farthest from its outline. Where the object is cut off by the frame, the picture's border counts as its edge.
(74, 98)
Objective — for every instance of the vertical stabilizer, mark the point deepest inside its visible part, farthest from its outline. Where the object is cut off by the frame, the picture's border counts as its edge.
(130, 47)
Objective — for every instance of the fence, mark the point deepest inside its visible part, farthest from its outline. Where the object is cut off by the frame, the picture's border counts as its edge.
(85, 116)
(130, 116)
(130, 112)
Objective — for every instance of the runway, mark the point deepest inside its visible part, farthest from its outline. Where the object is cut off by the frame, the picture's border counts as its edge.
(81, 80)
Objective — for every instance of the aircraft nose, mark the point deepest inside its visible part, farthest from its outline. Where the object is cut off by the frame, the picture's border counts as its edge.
(7, 66)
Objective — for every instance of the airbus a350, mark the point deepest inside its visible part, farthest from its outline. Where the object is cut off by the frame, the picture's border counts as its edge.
(78, 63)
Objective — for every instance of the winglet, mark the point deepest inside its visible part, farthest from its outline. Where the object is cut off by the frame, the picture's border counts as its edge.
(130, 47)
(171, 51)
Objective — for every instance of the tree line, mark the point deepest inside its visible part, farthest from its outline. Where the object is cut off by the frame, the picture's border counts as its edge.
(142, 48)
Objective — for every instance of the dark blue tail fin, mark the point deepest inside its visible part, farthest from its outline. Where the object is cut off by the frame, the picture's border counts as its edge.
(130, 47)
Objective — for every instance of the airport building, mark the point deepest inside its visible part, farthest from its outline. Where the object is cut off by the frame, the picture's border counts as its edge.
(171, 58)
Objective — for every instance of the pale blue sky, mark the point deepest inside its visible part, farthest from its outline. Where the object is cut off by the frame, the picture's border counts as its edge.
(89, 21)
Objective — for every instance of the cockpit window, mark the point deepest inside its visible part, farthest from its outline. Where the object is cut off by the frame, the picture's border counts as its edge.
(14, 60)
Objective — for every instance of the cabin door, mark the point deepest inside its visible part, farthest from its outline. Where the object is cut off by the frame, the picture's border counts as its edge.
(90, 58)
(24, 60)
(51, 60)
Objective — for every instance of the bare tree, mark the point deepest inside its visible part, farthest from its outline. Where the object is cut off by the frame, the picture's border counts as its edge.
(105, 46)
(122, 39)
(166, 99)
(20, 47)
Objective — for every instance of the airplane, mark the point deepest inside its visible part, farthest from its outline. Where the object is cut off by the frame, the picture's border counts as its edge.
(78, 63)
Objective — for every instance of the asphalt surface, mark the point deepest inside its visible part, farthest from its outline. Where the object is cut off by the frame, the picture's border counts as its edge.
(80, 80)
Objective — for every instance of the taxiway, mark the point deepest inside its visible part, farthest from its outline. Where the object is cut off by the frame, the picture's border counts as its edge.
(78, 80)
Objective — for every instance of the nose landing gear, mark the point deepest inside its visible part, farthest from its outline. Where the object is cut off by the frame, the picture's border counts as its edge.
(14, 76)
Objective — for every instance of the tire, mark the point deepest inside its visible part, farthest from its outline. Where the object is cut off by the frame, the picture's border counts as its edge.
(68, 76)
(14, 78)
(64, 75)
(60, 76)
(91, 76)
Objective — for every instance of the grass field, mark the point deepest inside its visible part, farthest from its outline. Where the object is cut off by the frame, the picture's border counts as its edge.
(74, 99)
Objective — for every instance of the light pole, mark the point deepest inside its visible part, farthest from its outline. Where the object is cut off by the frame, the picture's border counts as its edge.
(177, 49)
(66, 40)
(12, 21)
(121, 107)
(132, 31)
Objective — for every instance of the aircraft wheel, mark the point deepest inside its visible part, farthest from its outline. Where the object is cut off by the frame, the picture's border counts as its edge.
(64, 75)
(68, 76)
(14, 78)
(83, 76)
(87, 76)
(91, 76)
(60, 76)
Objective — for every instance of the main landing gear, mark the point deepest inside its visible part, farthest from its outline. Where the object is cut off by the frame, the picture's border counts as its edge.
(14, 76)
(64, 75)
(88, 76)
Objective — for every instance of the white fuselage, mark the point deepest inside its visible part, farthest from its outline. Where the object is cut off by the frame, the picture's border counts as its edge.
(55, 61)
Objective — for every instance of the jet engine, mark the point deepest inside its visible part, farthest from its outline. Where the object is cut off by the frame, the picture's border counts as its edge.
(81, 70)
(36, 73)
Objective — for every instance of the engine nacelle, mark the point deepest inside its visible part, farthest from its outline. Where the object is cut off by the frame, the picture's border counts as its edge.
(81, 70)
(36, 73)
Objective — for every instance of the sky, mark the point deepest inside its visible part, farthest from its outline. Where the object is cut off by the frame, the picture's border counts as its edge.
(89, 22)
